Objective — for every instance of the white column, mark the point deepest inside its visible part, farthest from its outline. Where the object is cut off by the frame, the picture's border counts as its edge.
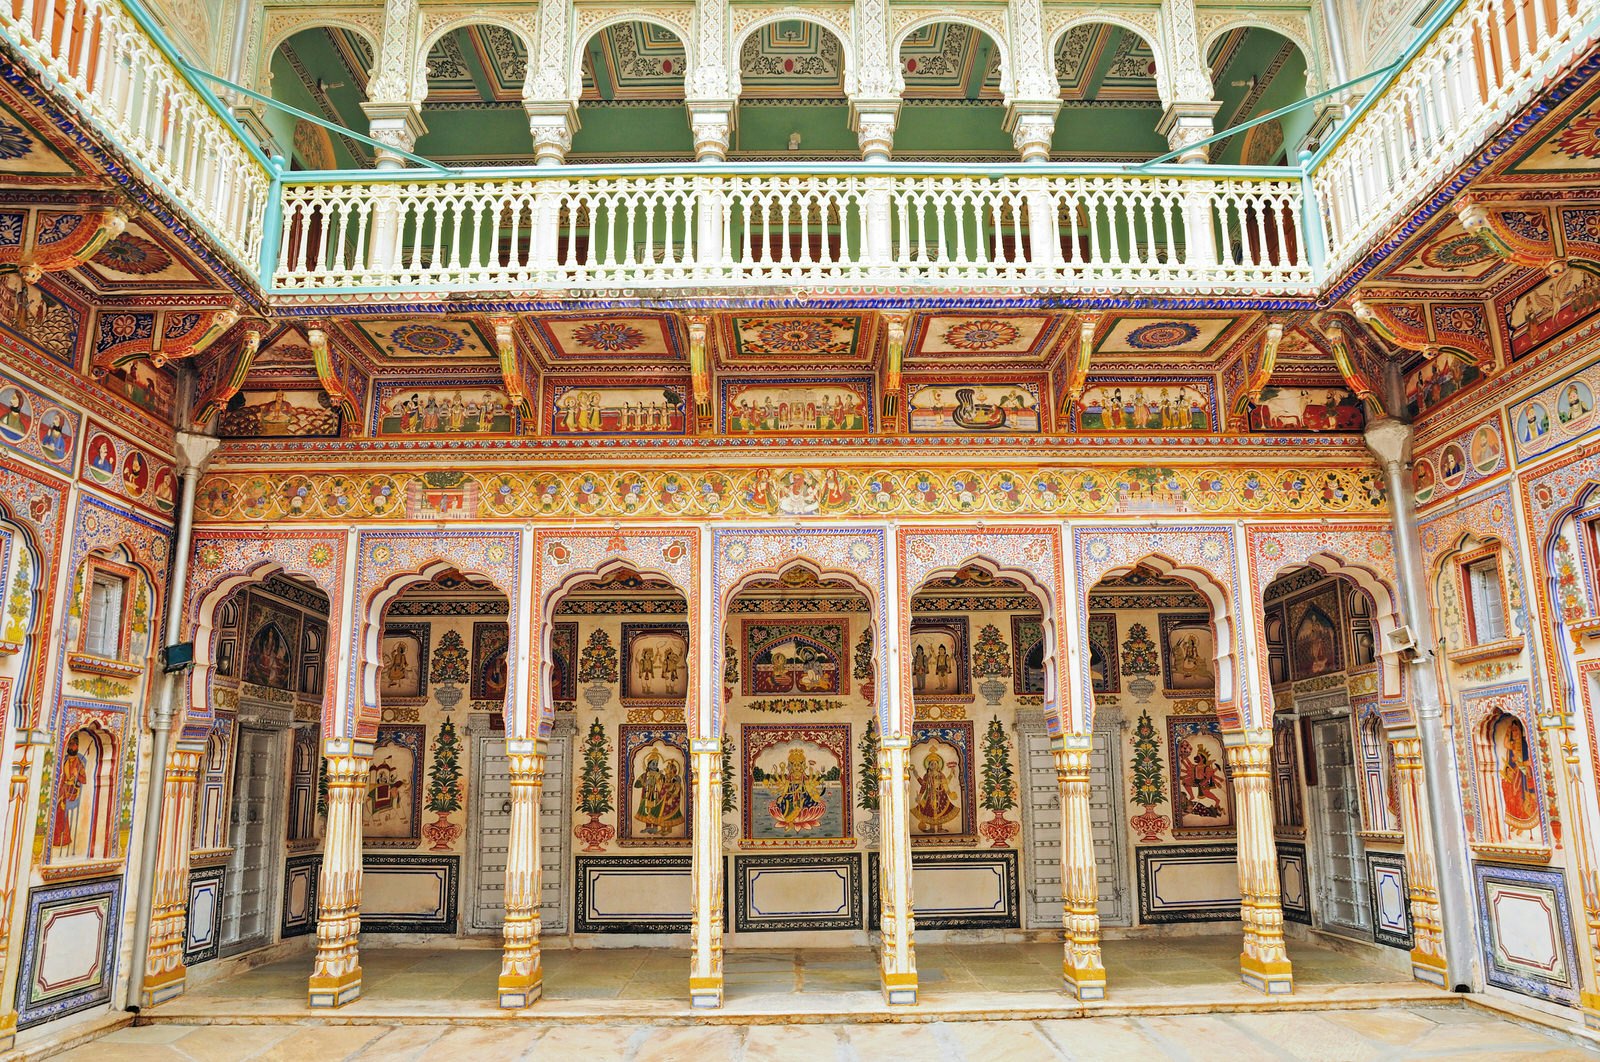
(1191, 112)
(1422, 879)
(898, 960)
(336, 977)
(1264, 963)
(705, 749)
(1082, 969)
(521, 971)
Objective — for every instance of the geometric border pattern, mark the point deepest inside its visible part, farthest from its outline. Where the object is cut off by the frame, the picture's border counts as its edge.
(1554, 883)
(39, 900)
(1393, 868)
(200, 942)
(441, 921)
(1217, 854)
(1008, 917)
(847, 864)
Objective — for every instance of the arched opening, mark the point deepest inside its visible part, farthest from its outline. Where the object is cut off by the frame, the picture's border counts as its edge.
(632, 103)
(792, 104)
(1255, 71)
(322, 70)
(952, 103)
(1111, 104)
(473, 108)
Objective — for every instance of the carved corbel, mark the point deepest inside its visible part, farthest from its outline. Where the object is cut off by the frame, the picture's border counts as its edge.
(330, 374)
(1517, 248)
(229, 378)
(1429, 329)
(700, 372)
(1359, 383)
(518, 373)
(1261, 375)
(54, 241)
(894, 358)
(162, 336)
(1078, 370)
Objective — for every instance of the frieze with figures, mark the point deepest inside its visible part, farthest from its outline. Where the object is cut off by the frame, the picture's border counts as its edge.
(800, 492)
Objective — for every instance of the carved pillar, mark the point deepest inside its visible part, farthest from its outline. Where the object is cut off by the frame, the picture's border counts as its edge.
(1190, 114)
(874, 122)
(705, 970)
(1035, 95)
(336, 977)
(898, 961)
(164, 969)
(712, 126)
(14, 869)
(548, 98)
(1265, 962)
(521, 973)
(1081, 967)
(1427, 929)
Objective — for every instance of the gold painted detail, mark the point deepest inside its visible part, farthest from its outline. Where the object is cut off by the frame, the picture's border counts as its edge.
(795, 705)
(658, 714)
(941, 712)
(101, 687)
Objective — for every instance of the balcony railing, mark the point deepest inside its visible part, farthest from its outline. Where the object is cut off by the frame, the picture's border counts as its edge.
(1051, 228)
(106, 63)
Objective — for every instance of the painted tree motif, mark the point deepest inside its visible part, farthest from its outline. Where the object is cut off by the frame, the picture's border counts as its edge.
(867, 786)
(1149, 789)
(728, 799)
(598, 661)
(991, 656)
(444, 772)
(449, 660)
(594, 787)
(999, 783)
(1139, 652)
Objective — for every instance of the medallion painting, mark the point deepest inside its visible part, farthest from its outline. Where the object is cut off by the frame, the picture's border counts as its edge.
(1315, 642)
(842, 406)
(272, 633)
(969, 338)
(610, 410)
(1027, 641)
(402, 663)
(654, 785)
(958, 407)
(940, 662)
(942, 807)
(656, 659)
(1287, 408)
(1105, 670)
(1143, 407)
(491, 640)
(783, 338)
(1202, 785)
(605, 338)
(1188, 653)
(796, 785)
(393, 812)
(1145, 336)
(465, 410)
(794, 656)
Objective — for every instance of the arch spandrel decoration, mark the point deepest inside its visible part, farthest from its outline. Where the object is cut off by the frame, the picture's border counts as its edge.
(991, 22)
(859, 553)
(1363, 553)
(222, 561)
(278, 24)
(1146, 22)
(436, 24)
(1203, 554)
(562, 558)
(389, 561)
(1031, 555)
(837, 21)
(34, 503)
(592, 20)
(1292, 26)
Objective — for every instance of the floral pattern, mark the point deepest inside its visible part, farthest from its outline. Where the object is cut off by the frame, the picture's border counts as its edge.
(1162, 335)
(613, 337)
(981, 334)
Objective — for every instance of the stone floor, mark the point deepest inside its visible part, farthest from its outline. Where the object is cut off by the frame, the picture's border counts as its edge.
(1444, 1031)
(1145, 975)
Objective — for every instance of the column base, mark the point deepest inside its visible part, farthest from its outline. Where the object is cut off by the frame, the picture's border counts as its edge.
(8, 1031)
(705, 993)
(160, 990)
(519, 992)
(1429, 968)
(326, 992)
(1085, 982)
(1589, 1001)
(1273, 978)
(900, 989)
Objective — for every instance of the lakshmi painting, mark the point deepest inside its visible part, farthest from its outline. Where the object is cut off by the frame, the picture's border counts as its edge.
(1202, 785)
(654, 785)
(942, 806)
(1314, 639)
(796, 787)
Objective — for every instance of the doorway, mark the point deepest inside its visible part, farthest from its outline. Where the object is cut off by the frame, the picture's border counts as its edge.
(1340, 861)
(249, 901)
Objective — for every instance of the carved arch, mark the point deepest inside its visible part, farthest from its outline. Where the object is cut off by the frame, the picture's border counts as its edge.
(746, 21)
(586, 31)
(996, 34)
(1149, 32)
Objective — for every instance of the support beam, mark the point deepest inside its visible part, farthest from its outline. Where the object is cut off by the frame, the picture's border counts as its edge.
(174, 335)
(227, 379)
(894, 323)
(31, 748)
(332, 375)
(1261, 375)
(703, 413)
(518, 373)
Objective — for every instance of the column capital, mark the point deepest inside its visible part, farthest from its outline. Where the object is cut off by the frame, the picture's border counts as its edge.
(552, 132)
(874, 121)
(712, 123)
(1032, 124)
(1390, 440)
(1186, 123)
(395, 124)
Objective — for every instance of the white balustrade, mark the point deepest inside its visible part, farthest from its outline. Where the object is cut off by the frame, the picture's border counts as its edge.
(96, 56)
(1482, 66)
(564, 230)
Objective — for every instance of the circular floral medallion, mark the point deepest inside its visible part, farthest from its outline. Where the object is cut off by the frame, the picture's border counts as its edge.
(981, 334)
(794, 336)
(320, 556)
(1581, 138)
(425, 340)
(1458, 252)
(1162, 335)
(14, 141)
(612, 337)
(134, 255)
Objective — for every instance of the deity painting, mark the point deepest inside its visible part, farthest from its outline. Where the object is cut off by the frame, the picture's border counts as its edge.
(393, 806)
(1188, 650)
(974, 407)
(81, 824)
(794, 657)
(654, 784)
(102, 459)
(491, 641)
(1551, 307)
(444, 411)
(15, 417)
(796, 787)
(608, 410)
(279, 414)
(1486, 450)
(1575, 402)
(942, 784)
(1452, 465)
(1533, 422)
(656, 656)
(1027, 641)
(1105, 670)
(1307, 409)
(842, 406)
(1202, 785)
(55, 437)
(1518, 782)
(271, 643)
(1435, 380)
(1314, 635)
(563, 662)
(135, 473)
(939, 658)
(1144, 407)
(402, 663)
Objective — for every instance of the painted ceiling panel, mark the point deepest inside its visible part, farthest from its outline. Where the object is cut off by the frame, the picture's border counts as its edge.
(1099, 61)
(634, 61)
(950, 61)
(791, 58)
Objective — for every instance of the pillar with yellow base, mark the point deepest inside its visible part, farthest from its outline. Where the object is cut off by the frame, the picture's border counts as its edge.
(1559, 725)
(521, 971)
(1082, 970)
(169, 903)
(13, 868)
(336, 977)
(897, 963)
(705, 966)
(1427, 927)
(1264, 963)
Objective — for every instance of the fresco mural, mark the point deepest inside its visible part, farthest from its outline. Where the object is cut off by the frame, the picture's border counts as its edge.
(1144, 407)
(760, 407)
(955, 407)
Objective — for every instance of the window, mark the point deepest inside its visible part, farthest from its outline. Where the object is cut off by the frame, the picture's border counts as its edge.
(102, 621)
(1486, 601)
